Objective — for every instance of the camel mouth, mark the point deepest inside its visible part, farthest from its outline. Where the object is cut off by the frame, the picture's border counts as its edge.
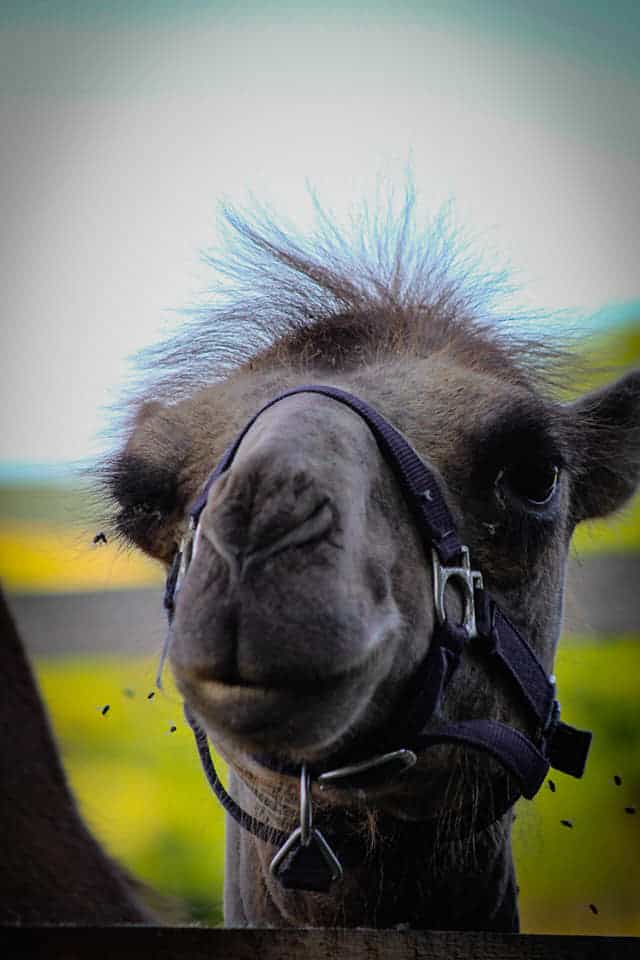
(254, 712)
(244, 703)
(297, 715)
(233, 684)
(236, 689)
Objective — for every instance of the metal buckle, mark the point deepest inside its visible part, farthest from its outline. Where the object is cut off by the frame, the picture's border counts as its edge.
(470, 580)
(553, 716)
(306, 834)
(186, 550)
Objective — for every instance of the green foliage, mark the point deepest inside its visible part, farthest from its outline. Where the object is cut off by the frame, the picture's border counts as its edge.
(61, 502)
(616, 534)
(141, 788)
(562, 870)
(603, 358)
(139, 784)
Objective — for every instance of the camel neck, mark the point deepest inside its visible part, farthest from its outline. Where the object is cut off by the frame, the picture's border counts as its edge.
(405, 878)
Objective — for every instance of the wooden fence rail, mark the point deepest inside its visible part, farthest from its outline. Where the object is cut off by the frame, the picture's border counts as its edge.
(192, 943)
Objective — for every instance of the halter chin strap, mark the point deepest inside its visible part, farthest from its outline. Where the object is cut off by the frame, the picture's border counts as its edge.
(305, 859)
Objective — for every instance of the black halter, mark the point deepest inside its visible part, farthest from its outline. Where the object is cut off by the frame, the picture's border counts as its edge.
(305, 859)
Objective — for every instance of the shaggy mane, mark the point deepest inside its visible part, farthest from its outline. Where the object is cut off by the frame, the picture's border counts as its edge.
(331, 301)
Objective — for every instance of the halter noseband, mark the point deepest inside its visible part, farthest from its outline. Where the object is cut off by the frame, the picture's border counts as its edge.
(305, 860)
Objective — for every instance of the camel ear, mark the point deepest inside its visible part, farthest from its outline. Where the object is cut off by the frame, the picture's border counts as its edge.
(607, 444)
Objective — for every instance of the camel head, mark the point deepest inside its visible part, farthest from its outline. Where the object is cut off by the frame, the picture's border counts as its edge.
(308, 605)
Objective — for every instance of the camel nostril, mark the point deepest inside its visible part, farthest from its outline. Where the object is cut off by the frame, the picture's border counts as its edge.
(253, 513)
(311, 529)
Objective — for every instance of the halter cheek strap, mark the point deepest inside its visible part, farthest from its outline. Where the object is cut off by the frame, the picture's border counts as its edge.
(305, 859)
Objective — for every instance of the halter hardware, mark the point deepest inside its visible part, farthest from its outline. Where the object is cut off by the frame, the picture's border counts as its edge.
(296, 864)
(185, 551)
(358, 776)
(304, 859)
(466, 578)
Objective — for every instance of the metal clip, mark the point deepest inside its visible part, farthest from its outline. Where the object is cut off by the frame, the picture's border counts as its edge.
(186, 550)
(379, 771)
(470, 581)
(306, 836)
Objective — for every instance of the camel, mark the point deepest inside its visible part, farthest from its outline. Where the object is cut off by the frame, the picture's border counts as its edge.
(369, 658)
(53, 869)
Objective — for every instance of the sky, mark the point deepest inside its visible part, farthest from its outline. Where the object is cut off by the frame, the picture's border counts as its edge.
(124, 126)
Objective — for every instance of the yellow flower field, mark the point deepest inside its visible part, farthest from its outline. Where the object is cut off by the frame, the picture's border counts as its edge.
(141, 788)
(50, 558)
(44, 557)
(138, 781)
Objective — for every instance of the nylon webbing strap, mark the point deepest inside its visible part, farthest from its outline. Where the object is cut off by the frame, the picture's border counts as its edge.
(256, 827)
(499, 639)
(418, 483)
(353, 848)
(568, 749)
(509, 746)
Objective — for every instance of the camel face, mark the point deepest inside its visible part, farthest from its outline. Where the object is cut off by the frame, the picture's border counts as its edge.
(304, 625)
(309, 602)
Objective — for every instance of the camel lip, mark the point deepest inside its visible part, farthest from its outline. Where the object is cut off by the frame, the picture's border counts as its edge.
(251, 692)
(262, 710)
(235, 686)
(244, 709)
(228, 679)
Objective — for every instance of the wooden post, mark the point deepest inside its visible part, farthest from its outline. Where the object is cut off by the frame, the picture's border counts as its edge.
(191, 943)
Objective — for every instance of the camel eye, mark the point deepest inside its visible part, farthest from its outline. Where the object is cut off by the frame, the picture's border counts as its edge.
(532, 481)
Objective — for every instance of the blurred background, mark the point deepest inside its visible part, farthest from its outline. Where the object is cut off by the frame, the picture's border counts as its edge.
(123, 129)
